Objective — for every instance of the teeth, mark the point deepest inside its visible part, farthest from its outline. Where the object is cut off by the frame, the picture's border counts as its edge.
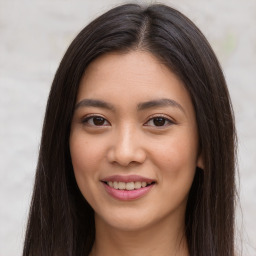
(121, 185)
(137, 184)
(115, 184)
(127, 185)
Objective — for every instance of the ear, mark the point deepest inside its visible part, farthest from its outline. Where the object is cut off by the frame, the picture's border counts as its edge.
(200, 162)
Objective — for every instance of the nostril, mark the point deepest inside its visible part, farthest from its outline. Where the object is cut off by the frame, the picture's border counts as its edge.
(126, 152)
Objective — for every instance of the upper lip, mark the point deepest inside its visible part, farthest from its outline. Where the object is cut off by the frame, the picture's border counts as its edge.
(127, 178)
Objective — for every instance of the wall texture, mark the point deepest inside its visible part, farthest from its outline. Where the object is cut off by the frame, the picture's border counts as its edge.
(33, 38)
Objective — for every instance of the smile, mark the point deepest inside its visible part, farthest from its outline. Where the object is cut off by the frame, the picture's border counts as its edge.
(127, 187)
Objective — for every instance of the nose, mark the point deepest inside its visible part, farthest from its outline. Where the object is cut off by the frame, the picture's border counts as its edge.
(126, 148)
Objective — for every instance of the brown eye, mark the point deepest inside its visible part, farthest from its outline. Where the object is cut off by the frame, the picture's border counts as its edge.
(159, 121)
(95, 121)
(98, 120)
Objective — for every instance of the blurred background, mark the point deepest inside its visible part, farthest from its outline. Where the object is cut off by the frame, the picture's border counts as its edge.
(33, 38)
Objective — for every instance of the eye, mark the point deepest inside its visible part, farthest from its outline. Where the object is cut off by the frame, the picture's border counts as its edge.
(95, 121)
(159, 121)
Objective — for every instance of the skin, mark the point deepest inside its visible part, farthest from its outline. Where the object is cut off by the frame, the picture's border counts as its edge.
(127, 141)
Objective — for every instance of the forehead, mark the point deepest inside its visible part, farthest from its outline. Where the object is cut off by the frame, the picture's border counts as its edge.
(132, 67)
(136, 76)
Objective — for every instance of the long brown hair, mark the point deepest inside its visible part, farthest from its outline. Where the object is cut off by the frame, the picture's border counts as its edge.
(61, 222)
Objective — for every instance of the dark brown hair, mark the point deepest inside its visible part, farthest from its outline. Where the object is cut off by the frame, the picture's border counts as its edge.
(61, 222)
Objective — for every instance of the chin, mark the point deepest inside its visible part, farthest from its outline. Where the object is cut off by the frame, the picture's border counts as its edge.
(128, 221)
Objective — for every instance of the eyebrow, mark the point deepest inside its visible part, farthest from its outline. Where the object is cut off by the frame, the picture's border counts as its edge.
(141, 106)
(160, 103)
(94, 103)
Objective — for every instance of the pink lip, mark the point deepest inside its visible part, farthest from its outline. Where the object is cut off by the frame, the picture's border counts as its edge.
(128, 178)
(126, 195)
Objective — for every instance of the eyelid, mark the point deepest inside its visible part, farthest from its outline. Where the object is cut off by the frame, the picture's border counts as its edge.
(86, 118)
(170, 120)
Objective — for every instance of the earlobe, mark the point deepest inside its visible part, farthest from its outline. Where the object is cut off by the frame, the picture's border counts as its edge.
(200, 162)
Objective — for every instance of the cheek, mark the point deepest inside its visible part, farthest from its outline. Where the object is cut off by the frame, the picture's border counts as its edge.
(85, 161)
(175, 152)
(84, 154)
(177, 166)
(176, 158)
(85, 157)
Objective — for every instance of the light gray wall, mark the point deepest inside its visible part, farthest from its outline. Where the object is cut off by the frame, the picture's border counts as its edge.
(34, 36)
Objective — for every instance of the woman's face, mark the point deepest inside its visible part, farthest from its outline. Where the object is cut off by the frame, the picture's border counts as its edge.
(134, 141)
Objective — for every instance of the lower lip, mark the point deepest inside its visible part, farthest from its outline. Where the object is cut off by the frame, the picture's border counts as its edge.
(126, 195)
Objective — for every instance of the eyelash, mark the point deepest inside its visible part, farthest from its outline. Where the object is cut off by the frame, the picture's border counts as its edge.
(165, 119)
(86, 120)
(169, 122)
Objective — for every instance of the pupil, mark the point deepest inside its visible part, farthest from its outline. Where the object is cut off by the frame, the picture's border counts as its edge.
(159, 121)
(98, 120)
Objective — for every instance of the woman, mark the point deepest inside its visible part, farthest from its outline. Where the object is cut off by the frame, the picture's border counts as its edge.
(138, 146)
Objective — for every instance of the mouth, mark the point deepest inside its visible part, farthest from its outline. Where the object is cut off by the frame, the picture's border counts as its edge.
(127, 187)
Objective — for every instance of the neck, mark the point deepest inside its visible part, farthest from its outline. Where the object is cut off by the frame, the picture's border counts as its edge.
(160, 239)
